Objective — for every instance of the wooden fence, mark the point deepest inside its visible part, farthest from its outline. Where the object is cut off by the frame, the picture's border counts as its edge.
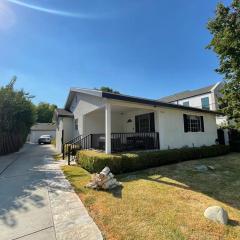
(10, 143)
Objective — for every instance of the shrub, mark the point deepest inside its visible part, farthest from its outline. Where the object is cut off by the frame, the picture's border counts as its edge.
(94, 161)
(17, 115)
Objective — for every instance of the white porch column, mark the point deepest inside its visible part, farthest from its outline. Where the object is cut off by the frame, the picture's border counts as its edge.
(157, 127)
(108, 128)
(226, 136)
(162, 130)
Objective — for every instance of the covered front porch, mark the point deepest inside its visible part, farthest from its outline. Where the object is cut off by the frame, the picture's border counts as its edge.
(118, 127)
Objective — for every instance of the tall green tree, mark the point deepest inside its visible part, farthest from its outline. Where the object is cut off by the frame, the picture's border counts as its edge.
(17, 115)
(225, 28)
(45, 112)
(107, 89)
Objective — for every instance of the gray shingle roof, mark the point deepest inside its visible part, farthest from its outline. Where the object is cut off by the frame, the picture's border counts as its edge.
(44, 127)
(63, 113)
(186, 94)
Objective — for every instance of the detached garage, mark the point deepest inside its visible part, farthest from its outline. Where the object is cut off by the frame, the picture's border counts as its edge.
(40, 129)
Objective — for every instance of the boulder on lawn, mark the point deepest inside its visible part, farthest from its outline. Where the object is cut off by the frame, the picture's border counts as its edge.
(216, 214)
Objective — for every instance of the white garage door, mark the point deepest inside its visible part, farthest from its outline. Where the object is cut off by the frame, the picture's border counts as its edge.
(35, 135)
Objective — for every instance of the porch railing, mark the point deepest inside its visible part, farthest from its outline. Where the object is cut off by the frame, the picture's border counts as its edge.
(119, 142)
(127, 141)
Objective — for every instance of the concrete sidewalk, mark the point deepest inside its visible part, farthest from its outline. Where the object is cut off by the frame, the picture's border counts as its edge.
(37, 202)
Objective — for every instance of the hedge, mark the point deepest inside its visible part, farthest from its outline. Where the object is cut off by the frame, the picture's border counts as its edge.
(94, 161)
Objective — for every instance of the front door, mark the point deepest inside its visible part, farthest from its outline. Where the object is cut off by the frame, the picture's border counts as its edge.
(145, 123)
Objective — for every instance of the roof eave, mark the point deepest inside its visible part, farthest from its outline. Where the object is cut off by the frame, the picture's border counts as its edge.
(127, 98)
(75, 90)
(154, 103)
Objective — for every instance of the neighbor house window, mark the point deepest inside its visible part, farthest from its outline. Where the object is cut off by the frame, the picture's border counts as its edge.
(205, 103)
(193, 123)
(76, 124)
(186, 104)
(145, 123)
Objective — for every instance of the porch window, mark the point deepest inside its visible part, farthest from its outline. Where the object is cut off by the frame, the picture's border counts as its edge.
(186, 104)
(193, 123)
(145, 123)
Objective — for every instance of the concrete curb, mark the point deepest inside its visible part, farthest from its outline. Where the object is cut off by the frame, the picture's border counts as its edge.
(70, 217)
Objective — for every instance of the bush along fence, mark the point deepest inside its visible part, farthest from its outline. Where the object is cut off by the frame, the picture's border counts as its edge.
(17, 115)
(94, 161)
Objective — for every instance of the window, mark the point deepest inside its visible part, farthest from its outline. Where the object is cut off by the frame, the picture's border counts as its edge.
(58, 123)
(205, 103)
(186, 104)
(145, 123)
(193, 123)
(76, 124)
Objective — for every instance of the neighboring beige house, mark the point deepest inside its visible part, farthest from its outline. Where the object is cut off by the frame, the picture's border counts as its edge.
(117, 122)
(40, 129)
(204, 98)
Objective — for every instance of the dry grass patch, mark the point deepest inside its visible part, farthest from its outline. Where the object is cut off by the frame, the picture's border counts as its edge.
(166, 202)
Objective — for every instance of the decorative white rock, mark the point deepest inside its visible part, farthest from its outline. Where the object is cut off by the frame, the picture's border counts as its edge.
(104, 180)
(216, 214)
(201, 168)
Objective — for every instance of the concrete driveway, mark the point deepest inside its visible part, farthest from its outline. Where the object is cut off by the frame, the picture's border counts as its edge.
(25, 210)
(37, 202)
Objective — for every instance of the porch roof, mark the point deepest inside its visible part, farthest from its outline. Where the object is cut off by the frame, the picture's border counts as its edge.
(127, 98)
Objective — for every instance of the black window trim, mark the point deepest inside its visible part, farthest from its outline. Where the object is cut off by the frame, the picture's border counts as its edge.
(185, 122)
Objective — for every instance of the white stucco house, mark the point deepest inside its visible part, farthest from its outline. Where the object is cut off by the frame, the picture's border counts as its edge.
(116, 122)
(40, 129)
(204, 98)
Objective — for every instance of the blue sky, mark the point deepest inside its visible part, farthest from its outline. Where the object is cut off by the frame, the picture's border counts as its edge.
(147, 48)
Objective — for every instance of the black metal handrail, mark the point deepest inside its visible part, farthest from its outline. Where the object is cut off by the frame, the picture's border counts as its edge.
(72, 148)
(74, 139)
(65, 148)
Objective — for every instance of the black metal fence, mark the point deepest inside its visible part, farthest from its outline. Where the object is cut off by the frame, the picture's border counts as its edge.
(127, 141)
(119, 142)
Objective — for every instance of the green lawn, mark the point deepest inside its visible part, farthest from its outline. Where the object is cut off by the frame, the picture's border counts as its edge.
(166, 202)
